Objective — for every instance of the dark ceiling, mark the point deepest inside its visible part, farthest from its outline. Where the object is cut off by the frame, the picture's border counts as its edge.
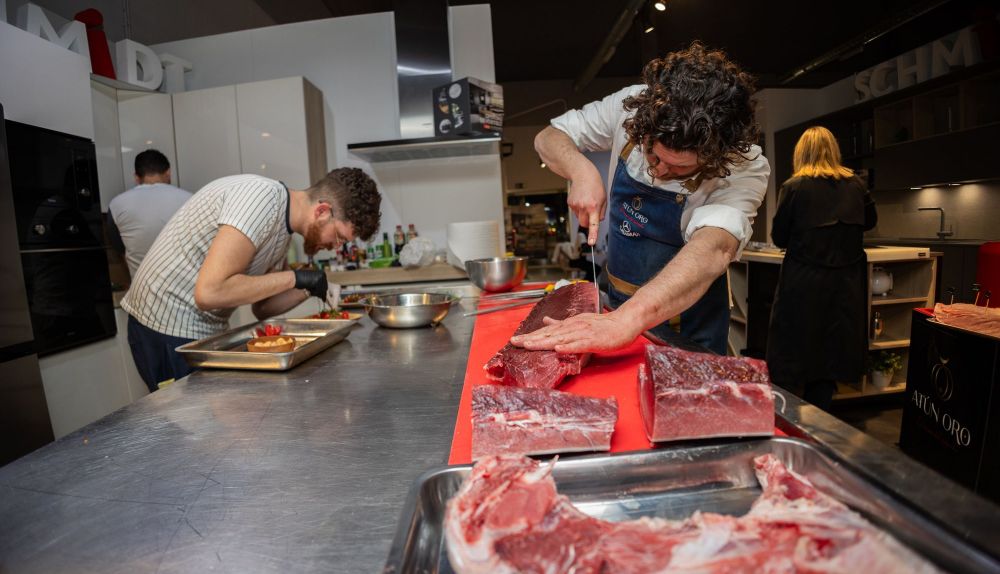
(551, 39)
(555, 39)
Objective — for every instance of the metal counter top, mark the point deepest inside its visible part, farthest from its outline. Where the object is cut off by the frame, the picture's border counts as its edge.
(306, 471)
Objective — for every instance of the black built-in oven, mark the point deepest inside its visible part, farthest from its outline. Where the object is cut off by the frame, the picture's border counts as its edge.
(59, 228)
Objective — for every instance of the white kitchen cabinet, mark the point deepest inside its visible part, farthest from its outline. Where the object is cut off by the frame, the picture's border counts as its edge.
(281, 130)
(107, 141)
(206, 134)
(145, 121)
(86, 383)
(83, 384)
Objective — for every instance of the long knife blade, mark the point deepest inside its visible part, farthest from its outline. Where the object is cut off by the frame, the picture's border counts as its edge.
(501, 307)
(593, 261)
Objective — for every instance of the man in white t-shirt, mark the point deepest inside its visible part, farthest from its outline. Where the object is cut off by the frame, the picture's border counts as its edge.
(227, 247)
(684, 186)
(138, 215)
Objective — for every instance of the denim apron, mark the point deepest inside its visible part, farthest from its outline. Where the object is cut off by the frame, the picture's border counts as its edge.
(644, 234)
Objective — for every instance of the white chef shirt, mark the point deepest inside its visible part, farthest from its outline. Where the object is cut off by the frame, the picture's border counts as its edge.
(728, 203)
(140, 213)
(162, 293)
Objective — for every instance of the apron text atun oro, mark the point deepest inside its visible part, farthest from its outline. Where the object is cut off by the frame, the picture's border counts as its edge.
(644, 234)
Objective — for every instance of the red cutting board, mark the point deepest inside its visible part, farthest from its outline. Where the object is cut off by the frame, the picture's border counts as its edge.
(609, 374)
(606, 375)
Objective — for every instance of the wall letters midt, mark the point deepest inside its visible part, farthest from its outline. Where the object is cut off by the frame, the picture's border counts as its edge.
(135, 63)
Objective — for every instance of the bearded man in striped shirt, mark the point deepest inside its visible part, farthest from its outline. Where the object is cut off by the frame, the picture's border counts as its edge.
(226, 247)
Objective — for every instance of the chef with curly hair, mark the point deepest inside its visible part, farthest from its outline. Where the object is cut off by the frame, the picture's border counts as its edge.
(685, 183)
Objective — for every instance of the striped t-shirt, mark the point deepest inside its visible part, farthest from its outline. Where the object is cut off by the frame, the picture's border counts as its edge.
(162, 293)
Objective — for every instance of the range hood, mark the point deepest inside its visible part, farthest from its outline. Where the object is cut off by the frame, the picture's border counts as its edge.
(423, 62)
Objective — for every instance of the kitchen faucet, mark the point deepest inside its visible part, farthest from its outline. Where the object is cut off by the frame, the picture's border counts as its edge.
(941, 232)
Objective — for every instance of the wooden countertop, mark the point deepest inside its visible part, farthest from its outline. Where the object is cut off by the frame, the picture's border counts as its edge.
(389, 275)
(875, 254)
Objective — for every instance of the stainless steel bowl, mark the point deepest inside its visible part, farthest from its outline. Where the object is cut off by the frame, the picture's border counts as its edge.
(497, 273)
(406, 310)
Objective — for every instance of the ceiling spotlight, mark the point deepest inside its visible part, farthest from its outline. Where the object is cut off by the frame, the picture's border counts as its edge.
(649, 29)
(660, 6)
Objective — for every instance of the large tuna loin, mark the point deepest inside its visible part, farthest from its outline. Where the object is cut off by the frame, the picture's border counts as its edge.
(685, 395)
(514, 420)
(544, 369)
(508, 517)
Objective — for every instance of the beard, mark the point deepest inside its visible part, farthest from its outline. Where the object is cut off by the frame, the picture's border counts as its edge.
(312, 239)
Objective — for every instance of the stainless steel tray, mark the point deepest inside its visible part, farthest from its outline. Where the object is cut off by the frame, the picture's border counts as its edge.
(673, 483)
(228, 350)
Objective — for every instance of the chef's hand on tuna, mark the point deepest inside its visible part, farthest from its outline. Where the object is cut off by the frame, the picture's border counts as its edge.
(583, 333)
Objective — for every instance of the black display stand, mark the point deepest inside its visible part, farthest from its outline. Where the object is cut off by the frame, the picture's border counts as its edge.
(951, 419)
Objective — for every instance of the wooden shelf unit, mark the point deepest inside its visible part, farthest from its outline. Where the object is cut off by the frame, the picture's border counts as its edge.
(913, 285)
(847, 392)
(755, 275)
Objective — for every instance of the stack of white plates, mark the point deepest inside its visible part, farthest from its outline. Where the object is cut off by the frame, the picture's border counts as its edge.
(473, 240)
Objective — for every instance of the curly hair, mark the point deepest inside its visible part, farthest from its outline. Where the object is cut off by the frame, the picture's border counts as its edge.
(696, 100)
(353, 197)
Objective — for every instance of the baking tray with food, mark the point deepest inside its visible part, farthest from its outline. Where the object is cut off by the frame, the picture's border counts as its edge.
(229, 350)
(673, 483)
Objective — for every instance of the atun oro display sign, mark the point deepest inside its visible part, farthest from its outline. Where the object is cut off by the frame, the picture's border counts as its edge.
(135, 63)
(937, 58)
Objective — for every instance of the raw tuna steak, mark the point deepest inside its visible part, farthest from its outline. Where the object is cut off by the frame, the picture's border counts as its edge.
(544, 369)
(508, 517)
(685, 395)
(985, 320)
(514, 420)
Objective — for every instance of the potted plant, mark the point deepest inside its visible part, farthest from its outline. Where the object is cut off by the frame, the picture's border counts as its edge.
(884, 366)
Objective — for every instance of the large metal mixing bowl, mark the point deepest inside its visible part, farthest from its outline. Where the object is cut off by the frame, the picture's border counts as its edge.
(406, 310)
(497, 273)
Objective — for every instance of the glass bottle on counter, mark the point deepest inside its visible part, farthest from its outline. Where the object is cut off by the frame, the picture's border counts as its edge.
(398, 239)
(386, 246)
(411, 233)
(362, 254)
(878, 325)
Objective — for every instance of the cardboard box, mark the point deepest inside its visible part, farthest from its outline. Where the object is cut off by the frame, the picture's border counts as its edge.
(468, 107)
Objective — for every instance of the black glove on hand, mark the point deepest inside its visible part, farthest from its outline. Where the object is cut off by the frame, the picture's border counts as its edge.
(312, 281)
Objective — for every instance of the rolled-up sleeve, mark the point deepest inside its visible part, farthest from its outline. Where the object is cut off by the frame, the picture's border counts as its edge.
(733, 204)
(593, 126)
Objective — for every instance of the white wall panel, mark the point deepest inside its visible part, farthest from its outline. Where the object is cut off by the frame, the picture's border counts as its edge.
(433, 193)
(134, 385)
(146, 121)
(84, 384)
(471, 42)
(206, 135)
(272, 127)
(352, 60)
(107, 141)
(44, 85)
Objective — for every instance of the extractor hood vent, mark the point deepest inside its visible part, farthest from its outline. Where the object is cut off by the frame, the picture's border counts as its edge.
(426, 148)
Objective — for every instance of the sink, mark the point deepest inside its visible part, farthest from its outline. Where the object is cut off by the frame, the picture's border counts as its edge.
(920, 241)
(945, 240)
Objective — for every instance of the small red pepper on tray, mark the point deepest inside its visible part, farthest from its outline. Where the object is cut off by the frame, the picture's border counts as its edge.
(269, 330)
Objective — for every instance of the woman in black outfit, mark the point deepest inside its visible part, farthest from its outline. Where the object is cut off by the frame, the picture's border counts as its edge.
(818, 334)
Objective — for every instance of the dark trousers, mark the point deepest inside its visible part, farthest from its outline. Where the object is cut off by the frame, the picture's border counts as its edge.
(154, 354)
